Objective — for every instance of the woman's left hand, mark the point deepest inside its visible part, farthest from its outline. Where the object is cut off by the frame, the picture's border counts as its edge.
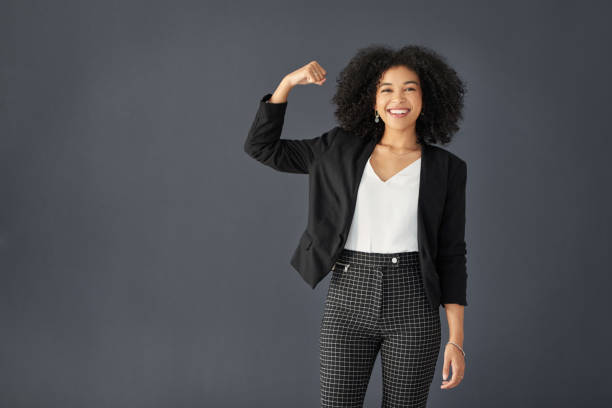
(453, 357)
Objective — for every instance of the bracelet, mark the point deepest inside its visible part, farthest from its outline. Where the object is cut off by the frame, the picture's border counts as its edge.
(450, 342)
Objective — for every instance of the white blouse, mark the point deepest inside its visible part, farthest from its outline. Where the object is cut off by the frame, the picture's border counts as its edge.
(385, 218)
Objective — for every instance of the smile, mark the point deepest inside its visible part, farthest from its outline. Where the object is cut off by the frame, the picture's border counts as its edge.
(398, 113)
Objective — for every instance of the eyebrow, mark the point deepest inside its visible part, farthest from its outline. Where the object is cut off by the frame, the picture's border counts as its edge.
(407, 82)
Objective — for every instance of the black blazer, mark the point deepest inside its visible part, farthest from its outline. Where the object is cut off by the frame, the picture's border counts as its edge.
(335, 162)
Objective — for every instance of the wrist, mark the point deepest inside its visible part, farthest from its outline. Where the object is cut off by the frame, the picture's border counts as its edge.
(456, 346)
(456, 341)
(281, 93)
(286, 83)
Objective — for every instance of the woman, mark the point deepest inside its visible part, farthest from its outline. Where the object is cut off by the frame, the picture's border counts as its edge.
(386, 217)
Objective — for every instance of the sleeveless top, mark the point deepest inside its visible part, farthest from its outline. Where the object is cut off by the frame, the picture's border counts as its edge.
(385, 217)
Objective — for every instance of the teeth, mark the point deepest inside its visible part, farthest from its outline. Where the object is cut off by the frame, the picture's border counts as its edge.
(398, 111)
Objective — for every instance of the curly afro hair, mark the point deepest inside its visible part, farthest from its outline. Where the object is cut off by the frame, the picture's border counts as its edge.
(442, 89)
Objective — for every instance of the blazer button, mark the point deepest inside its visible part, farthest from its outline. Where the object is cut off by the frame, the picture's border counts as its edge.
(394, 260)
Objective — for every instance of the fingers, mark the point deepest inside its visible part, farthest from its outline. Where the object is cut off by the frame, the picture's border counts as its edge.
(458, 368)
(446, 367)
(320, 70)
(316, 73)
(309, 74)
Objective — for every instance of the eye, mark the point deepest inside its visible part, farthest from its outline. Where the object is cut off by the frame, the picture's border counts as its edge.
(407, 89)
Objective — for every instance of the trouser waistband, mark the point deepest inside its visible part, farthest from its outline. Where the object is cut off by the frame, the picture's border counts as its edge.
(375, 259)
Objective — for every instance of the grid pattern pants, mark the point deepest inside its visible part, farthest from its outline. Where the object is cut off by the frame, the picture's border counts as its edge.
(377, 302)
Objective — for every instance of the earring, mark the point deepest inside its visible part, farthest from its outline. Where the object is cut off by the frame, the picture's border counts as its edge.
(377, 117)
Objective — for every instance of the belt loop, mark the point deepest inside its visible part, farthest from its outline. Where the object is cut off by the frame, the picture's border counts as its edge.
(346, 266)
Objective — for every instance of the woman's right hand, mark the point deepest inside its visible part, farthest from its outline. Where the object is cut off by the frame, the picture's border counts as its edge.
(311, 73)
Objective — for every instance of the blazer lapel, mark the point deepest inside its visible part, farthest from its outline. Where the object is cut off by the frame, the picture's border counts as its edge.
(431, 199)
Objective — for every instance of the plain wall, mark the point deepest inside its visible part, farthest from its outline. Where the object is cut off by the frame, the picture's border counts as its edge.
(144, 257)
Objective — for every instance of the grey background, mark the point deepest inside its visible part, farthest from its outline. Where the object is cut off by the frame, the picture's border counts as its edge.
(145, 257)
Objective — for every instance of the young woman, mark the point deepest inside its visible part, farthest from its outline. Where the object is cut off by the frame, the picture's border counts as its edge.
(386, 218)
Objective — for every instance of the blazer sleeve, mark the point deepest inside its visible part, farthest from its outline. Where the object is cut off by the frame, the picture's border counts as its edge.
(451, 261)
(264, 144)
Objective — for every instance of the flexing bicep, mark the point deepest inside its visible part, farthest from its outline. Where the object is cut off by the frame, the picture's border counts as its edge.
(265, 145)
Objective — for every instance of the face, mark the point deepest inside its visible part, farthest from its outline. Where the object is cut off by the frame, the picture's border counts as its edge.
(399, 88)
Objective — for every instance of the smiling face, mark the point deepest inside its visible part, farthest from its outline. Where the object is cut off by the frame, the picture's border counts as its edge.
(399, 91)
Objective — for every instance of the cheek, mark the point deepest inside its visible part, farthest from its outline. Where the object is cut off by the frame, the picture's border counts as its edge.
(382, 101)
(415, 100)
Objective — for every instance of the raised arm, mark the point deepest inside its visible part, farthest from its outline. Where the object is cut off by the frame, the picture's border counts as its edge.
(264, 142)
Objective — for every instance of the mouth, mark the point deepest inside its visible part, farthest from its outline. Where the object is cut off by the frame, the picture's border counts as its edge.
(399, 112)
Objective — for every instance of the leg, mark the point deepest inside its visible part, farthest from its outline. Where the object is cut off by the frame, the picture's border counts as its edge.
(347, 357)
(411, 335)
(408, 362)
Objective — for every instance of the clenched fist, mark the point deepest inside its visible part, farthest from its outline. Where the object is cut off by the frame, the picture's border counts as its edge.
(311, 73)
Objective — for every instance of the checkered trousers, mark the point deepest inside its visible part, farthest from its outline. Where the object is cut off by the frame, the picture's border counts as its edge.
(377, 302)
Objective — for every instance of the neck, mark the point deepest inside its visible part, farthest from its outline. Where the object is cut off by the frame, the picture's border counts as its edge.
(400, 138)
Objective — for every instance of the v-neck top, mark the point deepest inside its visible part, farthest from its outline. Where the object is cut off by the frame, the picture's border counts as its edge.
(385, 217)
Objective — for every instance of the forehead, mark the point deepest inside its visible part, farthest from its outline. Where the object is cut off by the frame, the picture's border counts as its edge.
(399, 75)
